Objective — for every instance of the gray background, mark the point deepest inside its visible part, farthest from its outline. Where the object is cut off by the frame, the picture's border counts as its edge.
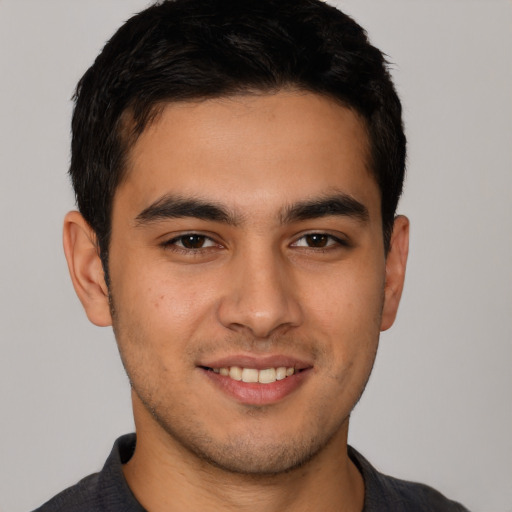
(438, 407)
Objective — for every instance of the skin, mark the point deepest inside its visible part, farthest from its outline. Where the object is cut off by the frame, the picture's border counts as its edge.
(255, 284)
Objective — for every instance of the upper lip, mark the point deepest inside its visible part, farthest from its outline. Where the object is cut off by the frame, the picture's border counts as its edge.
(257, 362)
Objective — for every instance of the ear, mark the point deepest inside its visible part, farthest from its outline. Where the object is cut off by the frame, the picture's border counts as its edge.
(85, 268)
(396, 262)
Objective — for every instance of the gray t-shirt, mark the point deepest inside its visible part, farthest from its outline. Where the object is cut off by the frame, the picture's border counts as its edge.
(108, 491)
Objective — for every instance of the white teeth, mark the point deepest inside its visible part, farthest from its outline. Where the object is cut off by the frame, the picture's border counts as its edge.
(235, 372)
(249, 375)
(266, 376)
(281, 373)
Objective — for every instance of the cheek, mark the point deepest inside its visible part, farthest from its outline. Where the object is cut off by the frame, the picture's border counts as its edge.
(345, 312)
(347, 299)
(159, 303)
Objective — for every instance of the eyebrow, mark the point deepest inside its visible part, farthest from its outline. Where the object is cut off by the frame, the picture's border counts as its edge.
(339, 204)
(173, 207)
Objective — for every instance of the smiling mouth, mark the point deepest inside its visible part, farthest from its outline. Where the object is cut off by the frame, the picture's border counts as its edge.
(253, 375)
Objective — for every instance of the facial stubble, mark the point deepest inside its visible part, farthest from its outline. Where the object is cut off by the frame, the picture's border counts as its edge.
(251, 455)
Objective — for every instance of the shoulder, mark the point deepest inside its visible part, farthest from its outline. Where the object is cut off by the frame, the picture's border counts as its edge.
(384, 493)
(418, 497)
(81, 497)
(106, 491)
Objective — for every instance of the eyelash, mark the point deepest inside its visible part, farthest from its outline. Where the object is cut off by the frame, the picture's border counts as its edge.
(332, 242)
(173, 243)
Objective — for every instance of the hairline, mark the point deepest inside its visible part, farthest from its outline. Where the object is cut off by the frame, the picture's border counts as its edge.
(129, 130)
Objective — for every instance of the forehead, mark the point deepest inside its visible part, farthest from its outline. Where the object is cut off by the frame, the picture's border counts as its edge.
(250, 150)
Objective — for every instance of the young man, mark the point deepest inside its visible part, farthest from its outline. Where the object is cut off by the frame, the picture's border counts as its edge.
(237, 166)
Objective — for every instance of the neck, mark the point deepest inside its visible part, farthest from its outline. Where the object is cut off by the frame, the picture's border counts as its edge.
(165, 476)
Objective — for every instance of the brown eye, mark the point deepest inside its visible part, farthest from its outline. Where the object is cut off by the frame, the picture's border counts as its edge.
(192, 241)
(317, 240)
(191, 244)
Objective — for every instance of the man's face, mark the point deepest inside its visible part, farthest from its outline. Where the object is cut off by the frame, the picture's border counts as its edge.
(247, 236)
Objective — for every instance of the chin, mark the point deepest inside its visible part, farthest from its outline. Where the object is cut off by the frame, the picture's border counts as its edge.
(246, 458)
(253, 452)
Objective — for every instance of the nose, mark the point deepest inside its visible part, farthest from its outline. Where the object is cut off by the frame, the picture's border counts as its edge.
(260, 296)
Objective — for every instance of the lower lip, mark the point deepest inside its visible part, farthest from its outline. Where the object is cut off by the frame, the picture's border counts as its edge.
(255, 393)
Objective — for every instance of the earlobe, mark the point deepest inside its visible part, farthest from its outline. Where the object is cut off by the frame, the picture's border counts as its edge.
(85, 268)
(396, 263)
